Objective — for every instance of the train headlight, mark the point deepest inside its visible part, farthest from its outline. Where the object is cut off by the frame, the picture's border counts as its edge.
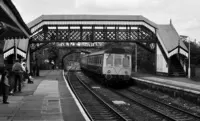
(108, 71)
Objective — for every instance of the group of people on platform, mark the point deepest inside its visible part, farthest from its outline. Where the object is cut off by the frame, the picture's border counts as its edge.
(11, 81)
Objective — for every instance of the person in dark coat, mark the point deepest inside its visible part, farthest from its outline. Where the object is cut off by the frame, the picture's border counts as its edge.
(18, 71)
(5, 86)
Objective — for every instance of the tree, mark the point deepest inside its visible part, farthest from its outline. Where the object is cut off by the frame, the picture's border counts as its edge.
(194, 49)
(53, 53)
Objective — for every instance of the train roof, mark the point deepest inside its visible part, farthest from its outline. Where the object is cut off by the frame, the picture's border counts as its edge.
(111, 50)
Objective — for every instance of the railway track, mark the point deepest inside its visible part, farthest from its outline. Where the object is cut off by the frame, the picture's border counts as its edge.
(166, 99)
(156, 108)
(95, 107)
(166, 110)
(175, 113)
(132, 109)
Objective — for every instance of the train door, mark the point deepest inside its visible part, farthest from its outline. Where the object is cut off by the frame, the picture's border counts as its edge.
(108, 63)
(127, 61)
(127, 65)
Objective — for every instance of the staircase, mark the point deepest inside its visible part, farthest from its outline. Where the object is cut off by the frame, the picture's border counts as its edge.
(176, 68)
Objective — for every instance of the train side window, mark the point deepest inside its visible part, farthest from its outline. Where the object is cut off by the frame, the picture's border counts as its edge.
(98, 60)
(95, 58)
(92, 59)
(101, 60)
(109, 60)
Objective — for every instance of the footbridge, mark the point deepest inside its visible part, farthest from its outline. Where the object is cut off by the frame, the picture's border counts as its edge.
(94, 30)
(77, 30)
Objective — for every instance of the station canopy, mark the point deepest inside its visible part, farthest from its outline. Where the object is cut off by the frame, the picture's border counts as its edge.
(13, 31)
(11, 23)
(20, 44)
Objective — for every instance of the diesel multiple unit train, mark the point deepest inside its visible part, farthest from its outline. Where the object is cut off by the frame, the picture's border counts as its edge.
(113, 63)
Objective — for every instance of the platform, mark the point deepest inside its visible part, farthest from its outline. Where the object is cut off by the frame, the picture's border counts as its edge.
(48, 99)
(51, 99)
(179, 83)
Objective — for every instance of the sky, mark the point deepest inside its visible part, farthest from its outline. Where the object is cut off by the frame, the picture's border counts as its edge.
(183, 13)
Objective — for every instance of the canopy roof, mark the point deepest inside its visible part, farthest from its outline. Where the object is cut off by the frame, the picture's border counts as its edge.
(12, 25)
(90, 18)
(170, 37)
(21, 45)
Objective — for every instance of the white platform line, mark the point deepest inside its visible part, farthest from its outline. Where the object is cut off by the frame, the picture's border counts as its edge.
(76, 100)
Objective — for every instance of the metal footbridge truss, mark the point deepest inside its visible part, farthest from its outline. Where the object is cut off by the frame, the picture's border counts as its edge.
(89, 31)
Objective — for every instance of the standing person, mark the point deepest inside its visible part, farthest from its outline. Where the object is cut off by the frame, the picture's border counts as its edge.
(5, 86)
(23, 76)
(23, 64)
(17, 69)
(25, 72)
(34, 69)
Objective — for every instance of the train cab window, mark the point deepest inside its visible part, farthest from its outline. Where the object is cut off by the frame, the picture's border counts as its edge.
(109, 60)
(126, 61)
(90, 60)
(118, 60)
(96, 60)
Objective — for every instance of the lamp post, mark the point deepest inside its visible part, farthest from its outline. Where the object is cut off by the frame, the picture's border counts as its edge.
(15, 49)
(135, 57)
(179, 49)
(189, 69)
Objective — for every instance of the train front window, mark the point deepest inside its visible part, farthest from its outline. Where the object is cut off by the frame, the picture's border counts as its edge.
(109, 60)
(118, 60)
(126, 61)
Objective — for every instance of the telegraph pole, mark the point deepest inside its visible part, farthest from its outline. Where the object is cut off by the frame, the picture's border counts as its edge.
(135, 57)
